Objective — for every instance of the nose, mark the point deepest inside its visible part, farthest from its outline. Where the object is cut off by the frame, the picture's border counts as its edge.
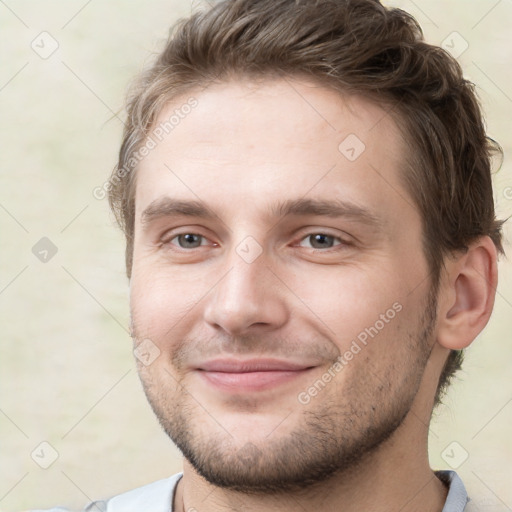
(248, 299)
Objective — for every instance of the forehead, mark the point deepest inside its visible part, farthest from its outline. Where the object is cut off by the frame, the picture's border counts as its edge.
(269, 141)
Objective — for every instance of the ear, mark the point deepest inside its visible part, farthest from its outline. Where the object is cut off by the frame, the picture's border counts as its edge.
(467, 294)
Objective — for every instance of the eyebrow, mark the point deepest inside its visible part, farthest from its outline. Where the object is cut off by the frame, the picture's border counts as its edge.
(169, 207)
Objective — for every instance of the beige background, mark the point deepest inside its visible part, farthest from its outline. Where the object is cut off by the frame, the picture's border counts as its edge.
(66, 369)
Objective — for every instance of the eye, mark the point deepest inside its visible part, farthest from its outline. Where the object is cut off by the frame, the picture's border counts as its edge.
(188, 240)
(321, 241)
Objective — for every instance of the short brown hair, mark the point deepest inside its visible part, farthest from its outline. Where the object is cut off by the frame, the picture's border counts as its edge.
(355, 47)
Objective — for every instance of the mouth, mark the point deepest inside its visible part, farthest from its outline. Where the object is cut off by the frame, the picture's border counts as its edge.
(252, 375)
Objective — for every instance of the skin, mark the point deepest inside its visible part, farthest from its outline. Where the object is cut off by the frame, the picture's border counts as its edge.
(362, 440)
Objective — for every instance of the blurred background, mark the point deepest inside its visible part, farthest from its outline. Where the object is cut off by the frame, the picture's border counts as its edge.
(74, 422)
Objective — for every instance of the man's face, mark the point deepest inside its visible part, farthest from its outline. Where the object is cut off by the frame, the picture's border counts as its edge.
(306, 250)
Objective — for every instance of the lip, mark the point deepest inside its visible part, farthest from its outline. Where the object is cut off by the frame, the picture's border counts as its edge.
(251, 365)
(236, 376)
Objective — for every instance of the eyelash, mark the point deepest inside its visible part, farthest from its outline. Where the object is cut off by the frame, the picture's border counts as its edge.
(343, 243)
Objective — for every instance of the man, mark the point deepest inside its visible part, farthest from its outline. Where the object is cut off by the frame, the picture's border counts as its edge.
(306, 195)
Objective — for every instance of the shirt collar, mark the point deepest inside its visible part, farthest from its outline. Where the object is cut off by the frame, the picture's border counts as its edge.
(457, 496)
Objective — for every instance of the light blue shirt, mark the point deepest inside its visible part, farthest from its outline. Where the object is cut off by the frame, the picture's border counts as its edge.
(159, 497)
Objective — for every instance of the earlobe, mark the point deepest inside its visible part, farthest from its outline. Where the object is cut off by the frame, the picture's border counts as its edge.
(469, 291)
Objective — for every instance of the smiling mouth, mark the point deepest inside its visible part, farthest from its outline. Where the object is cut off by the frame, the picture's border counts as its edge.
(252, 375)
(251, 381)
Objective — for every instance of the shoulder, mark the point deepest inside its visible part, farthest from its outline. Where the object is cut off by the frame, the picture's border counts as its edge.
(156, 496)
(458, 499)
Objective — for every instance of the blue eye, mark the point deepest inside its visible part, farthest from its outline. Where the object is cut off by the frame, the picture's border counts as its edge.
(188, 240)
(312, 241)
(321, 241)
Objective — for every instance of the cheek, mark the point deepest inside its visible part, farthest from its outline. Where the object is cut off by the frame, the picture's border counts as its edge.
(160, 302)
(371, 316)
(349, 300)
